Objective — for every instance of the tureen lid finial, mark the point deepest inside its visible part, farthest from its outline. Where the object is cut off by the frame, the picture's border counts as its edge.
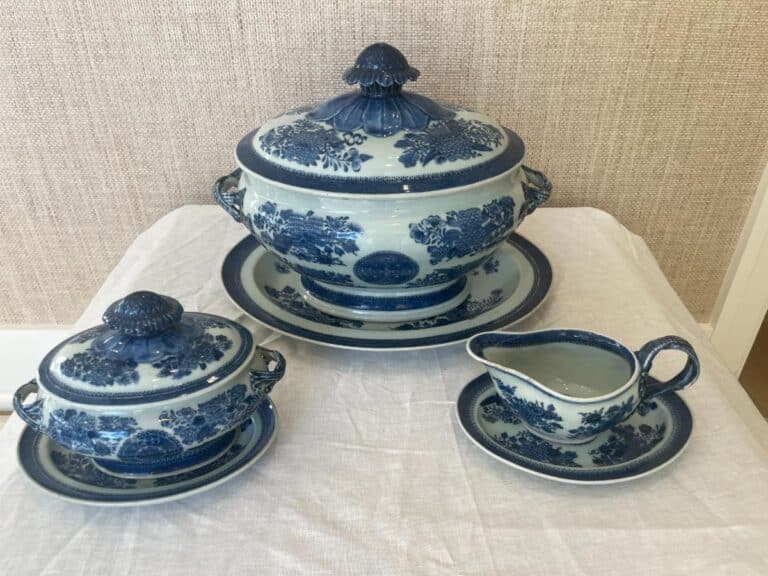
(143, 314)
(380, 64)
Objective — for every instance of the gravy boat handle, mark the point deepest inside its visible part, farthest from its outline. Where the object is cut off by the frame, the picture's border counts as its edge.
(649, 386)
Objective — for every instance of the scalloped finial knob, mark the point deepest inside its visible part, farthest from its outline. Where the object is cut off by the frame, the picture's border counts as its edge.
(143, 314)
(380, 64)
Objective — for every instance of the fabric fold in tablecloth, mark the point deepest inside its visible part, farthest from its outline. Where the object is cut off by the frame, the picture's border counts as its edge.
(371, 473)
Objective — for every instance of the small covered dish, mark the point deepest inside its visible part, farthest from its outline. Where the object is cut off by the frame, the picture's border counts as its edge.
(383, 200)
(153, 390)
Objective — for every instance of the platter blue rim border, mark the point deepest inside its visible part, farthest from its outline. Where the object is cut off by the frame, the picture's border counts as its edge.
(230, 275)
(27, 451)
(681, 433)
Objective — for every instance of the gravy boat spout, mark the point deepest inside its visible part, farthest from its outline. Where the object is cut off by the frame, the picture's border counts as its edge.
(569, 385)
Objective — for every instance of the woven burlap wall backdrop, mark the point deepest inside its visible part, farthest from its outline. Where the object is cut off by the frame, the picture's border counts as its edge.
(114, 113)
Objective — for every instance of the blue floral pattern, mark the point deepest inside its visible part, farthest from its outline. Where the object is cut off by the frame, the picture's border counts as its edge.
(308, 143)
(329, 276)
(94, 368)
(149, 445)
(212, 417)
(82, 469)
(289, 299)
(442, 275)
(86, 434)
(447, 141)
(491, 266)
(465, 232)
(201, 352)
(534, 412)
(601, 419)
(627, 443)
(386, 268)
(468, 309)
(494, 410)
(308, 237)
(530, 446)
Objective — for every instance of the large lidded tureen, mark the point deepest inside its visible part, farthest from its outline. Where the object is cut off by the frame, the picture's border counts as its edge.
(154, 390)
(384, 201)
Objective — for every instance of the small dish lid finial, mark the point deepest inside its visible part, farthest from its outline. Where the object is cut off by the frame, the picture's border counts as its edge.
(143, 314)
(380, 64)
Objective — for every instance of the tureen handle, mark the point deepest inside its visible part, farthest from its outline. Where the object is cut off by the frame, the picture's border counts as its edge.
(229, 196)
(33, 413)
(264, 380)
(649, 386)
(536, 188)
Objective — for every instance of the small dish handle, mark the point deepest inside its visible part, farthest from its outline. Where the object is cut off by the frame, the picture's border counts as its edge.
(32, 414)
(229, 196)
(649, 386)
(264, 380)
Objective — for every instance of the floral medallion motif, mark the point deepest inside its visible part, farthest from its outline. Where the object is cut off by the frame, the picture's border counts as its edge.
(534, 412)
(465, 232)
(386, 268)
(468, 309)
(94, 368)
(530, 446)
(308, 237)
(149, 445)
(627, 443)
(601, 419)
(88, 434)
(212, 417)
(82, 469)
(197, 355)
(447, 141)
(289, 299)
(310, 144)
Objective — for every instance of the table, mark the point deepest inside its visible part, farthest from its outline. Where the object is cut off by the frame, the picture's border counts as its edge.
(371, 473)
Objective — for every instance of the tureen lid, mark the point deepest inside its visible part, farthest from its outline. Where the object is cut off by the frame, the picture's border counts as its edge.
(381, 138)
(147, 350)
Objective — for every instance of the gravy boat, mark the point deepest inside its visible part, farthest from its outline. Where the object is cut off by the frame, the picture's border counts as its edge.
(569, 385)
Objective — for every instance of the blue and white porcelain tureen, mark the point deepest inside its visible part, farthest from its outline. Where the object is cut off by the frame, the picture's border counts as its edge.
(383, 200)
(153, 390)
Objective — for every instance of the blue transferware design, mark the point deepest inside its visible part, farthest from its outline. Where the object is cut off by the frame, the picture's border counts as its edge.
(645, 407)
(290, 299)
(87, 434)
(491, 266)
(494, 410)
(520, 285)
(76, 477)
(282, 267)
(210, 418)
(310, 144)
(443, 275)
(594, 421)
(627, 442)
(184, 363)
(534, 448)
(644, 443)
(207, 348)
(82, 469)
(93, 367)
(536, 413)
(386, 268)
(470, 308)
(465, 232)
(381, 108)
(448, 141)
(383, 303)
(308, 237)
(329, 276)
(591, 382)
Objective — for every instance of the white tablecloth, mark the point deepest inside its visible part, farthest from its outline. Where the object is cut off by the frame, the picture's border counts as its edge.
(371, 474)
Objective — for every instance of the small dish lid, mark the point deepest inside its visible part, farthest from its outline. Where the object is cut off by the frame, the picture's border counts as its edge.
(380, 139)
(147, 350)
